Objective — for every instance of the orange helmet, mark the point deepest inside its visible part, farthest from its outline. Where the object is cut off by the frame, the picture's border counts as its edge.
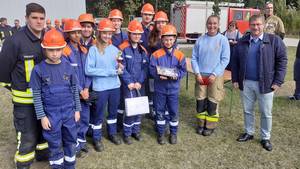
(105, 25)
(161, 16)
(48, 21)
(53, 40)
(56, 21)
(72, 25)
(135, 27)
(115, 13)
(147, 9)
(86, 17)
(168, 30)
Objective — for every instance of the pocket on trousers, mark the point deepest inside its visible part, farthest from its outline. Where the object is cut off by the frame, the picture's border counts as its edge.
(19, 120)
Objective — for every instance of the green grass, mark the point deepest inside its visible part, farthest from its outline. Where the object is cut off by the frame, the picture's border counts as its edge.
(192, 151)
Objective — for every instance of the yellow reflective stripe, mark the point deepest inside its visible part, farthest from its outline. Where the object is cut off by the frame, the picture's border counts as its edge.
(42, 146)
(18, 93)
(22, 100)
(24, 158)
(214, 118)
(4, 84)
(201, 115)
(19, 140)
(29, 64)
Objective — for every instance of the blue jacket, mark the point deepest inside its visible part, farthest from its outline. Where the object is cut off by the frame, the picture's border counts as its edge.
(117, 39)
(77, 59)
(272, 62)
(135, 62)
(164, 58)
(145, 35)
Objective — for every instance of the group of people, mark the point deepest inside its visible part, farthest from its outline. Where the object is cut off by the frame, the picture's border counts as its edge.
(63, 79)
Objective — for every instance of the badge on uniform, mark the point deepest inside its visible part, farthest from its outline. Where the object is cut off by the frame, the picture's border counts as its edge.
(66, 77)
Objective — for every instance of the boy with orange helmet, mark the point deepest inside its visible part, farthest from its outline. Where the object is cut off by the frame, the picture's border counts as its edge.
(56, 101)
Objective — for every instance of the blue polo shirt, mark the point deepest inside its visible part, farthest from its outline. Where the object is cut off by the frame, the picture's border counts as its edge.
(252, 67)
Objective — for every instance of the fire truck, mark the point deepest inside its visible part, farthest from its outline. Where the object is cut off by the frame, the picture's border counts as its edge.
(189, 17)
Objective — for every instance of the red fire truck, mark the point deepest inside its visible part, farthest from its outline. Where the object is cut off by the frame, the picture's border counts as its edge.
(189, 17)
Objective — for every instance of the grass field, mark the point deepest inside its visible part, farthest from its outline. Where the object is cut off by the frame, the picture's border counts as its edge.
(192, 151)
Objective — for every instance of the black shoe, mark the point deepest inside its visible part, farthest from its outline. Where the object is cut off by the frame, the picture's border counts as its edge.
(199, 130)
(244, 137)
(266, 144)
(137, 136)
(23, 167)
(173, 139)
(207, 132)
(293, 98)
(85, 148)
(114, 139)
(127, 140)
(161, 140)
(98, 146)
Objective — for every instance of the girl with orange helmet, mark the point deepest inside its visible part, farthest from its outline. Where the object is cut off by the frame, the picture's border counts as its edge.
(56, 101)
(76, 54)
(135, 61)
(102, 65)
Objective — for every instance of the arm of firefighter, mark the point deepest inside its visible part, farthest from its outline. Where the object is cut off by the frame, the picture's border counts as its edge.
(8, 59)
(194, 60)
(280, 62)
(181, 68)
(225, 57)
(126, 76)
(145, 67)
(90, 66)
(152, 67)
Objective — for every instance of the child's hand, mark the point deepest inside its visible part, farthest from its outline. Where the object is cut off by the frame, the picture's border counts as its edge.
(77, 116)
(131, 86)
(163, 77)
(211, 78)
(137, 86)
(85, 94)
(199, 79)
(46, 123)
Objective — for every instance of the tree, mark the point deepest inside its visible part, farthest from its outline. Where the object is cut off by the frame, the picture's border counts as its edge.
(216, 8)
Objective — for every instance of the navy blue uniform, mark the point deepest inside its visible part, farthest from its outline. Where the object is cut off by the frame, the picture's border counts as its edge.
(135, 61)
(167, 91)
(18, 56)
(118, 38)
(145, 35)
(55, 91)
(77, 58)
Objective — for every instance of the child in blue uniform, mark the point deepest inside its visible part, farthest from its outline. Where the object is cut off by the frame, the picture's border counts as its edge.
(135, 73)
(75, 53)
(119, 36)
(56, 101)
(167, 86)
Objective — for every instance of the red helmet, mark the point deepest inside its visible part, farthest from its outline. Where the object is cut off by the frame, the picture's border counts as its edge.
(53, 40)
(72, 25)
(135, 27)
(106, 25)
(115, 13)
(147, 9)
(161, 16)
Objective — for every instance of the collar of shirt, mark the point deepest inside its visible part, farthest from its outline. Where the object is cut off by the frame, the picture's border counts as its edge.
(32, 36)
(256, 39)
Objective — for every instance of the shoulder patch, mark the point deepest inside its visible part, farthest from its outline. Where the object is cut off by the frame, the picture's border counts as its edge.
(67, 51)
(159, 53)
(178, 54)
(124, 45)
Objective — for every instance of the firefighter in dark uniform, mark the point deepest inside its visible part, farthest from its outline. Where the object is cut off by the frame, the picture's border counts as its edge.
(5, 30)
(18, 56)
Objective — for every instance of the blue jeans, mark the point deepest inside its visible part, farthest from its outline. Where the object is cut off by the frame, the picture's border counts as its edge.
(265, 101)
